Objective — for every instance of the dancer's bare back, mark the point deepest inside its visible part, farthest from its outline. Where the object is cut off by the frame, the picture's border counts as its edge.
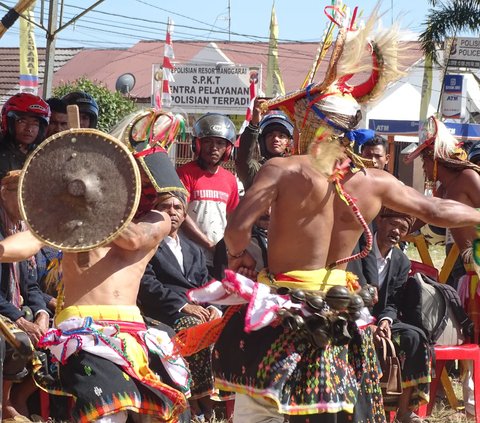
(311, 226)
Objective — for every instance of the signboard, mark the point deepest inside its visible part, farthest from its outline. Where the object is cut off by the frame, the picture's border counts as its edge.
(221, 88)
(453, 101)
(465, 53)
(462, 131)
(394, 127)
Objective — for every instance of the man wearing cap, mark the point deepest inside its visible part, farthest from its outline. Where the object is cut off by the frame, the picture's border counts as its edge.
(445, 162)
(273, 134)
(389, 275)
(178, 266)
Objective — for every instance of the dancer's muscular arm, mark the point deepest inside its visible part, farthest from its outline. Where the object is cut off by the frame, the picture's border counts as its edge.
(145, 233)
(19, 247)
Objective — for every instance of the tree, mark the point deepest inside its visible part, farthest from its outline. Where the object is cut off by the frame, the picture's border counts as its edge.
(447, 19)
(113, 106)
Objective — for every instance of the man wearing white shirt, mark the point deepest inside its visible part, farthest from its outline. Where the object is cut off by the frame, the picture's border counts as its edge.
(178, 266)
(392, 269)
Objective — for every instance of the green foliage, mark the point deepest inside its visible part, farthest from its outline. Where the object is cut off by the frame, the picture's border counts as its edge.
(448, 19)
(113, 106)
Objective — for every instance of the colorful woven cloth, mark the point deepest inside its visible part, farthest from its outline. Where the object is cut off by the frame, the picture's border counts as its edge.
(255, 356)
(103, 355)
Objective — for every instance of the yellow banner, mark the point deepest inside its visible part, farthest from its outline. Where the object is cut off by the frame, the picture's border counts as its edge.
(28, 53)
(274, 84)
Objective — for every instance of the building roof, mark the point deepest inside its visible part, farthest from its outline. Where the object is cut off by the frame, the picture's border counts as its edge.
(10, 69)
(106, 65)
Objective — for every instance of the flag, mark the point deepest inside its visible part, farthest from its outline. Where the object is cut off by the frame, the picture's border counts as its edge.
(163, 97)
(274, 86)
(252, 90)
(28, 53)
(426, 88)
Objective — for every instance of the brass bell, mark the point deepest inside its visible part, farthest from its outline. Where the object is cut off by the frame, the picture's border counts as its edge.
(291, 321)
(298, 296)
(340, 333)
(318, 327)
(315, 301)
(366, 296)
(355, 306)
(338, 298)
(320, 337)
(283, 290)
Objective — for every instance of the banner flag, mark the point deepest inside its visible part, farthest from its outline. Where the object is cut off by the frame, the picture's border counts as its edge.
(163, 95)
(28, 53)
(274, 83)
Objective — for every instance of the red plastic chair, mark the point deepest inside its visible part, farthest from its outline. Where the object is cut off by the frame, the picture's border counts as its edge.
(456, 352)
(420, 411)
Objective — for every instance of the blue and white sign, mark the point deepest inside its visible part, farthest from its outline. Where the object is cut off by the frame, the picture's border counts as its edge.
(453, 100)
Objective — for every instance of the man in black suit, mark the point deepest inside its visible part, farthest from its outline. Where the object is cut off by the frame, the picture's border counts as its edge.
(387, 267)
(178, 266)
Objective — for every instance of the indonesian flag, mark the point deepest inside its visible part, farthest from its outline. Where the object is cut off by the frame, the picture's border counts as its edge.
(164, 99)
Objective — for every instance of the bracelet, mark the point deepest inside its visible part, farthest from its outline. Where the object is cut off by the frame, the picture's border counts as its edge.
(253, 127)
(235, 256)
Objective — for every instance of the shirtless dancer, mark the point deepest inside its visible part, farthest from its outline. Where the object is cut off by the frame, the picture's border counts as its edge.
(108, 371)
(445, 161)
(277, 370)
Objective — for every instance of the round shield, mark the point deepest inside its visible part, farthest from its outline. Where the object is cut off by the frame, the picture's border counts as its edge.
(79, 189)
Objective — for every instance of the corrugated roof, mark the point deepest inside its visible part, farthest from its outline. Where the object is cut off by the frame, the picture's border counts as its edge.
(10, 67)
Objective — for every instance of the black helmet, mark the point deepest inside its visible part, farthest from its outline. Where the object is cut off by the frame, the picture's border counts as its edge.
(274, 121)
(474, 153)
(86, 104)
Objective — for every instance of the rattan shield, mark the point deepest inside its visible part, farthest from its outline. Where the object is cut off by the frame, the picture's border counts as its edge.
(79, 190)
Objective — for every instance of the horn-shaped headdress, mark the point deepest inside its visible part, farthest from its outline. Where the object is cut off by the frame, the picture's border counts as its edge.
(334, 103)
(326, 114)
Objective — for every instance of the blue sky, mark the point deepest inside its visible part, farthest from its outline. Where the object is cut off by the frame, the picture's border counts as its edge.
(121, 23)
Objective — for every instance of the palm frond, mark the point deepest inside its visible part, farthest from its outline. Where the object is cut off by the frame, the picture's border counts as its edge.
(447, 21)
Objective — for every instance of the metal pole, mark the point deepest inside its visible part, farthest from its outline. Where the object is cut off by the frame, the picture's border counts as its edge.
(50, 49)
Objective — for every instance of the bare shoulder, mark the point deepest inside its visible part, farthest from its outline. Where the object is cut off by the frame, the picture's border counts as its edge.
(146, 232)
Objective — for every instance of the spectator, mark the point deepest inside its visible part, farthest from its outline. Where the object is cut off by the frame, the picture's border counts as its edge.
(213, 191)
(376, 150)
(87, 107)
(389, 273)
(273, 134)
(178, 266)
(21, 303)
(100, 296)
(58, 118)
(24, 124)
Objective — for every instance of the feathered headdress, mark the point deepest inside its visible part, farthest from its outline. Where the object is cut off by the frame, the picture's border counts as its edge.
(333, 105)
(436, 140)
(150, 134)
(326, 114)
